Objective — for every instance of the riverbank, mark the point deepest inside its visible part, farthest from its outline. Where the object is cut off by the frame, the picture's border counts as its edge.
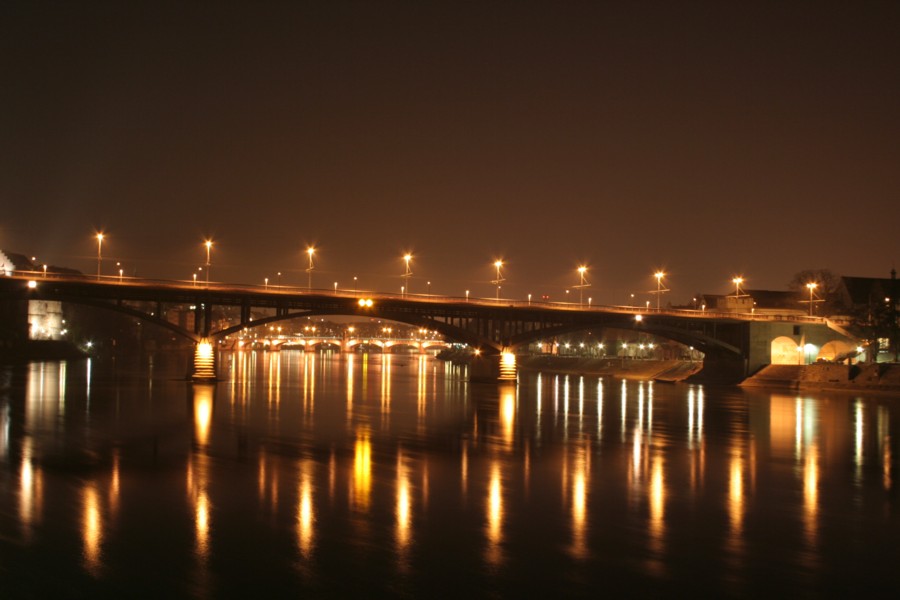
(880, 377)
(659, 370)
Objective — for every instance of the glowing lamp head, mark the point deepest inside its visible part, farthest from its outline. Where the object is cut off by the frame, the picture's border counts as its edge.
(32, 284)
(812, 285)
(582, 269)
(498, 263)
(638, 318)
(737, 280)
(659, 275)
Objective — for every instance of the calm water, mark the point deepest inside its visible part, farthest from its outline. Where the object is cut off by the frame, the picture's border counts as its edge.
(309, 475)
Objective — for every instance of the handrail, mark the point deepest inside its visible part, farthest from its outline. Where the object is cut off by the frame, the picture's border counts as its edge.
(268, 289)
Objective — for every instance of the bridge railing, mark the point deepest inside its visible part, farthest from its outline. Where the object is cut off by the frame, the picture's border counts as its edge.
(287, 290)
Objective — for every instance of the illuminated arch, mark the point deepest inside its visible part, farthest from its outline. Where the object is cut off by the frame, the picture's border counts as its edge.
(836, 350)
(784, 352)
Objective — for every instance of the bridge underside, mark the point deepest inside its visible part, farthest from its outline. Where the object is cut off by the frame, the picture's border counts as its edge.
(492, 327)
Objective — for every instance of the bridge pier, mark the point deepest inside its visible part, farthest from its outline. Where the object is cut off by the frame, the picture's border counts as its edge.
(13, 325)
(494, 367)
(203, 365)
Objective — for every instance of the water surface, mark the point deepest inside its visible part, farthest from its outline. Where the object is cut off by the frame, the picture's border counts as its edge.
(375, 475)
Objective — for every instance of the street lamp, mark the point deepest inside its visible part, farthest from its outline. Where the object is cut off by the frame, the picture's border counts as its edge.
(99, 256)
(407, 274)
(467, 295)
(498, 263)
(208, 244)
(811, 286)
(659, 287)
(581, 284)
(309, 251)
(737, 281)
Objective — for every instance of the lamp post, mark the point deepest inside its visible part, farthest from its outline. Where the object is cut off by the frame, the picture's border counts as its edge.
(659, 288)
(581, 284)
(407, 273)
(99, 254)
(309, 252)
(498, 263)
(737, 281)
(208, 244)
(811, 286)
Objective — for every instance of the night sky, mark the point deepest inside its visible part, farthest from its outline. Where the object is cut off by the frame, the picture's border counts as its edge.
(706, 139)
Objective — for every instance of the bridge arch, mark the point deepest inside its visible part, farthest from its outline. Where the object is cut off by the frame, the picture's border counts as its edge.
(699, 341)
(703, 343)
(452, 332)
(783, 351)
(138, 314)
(836, 350)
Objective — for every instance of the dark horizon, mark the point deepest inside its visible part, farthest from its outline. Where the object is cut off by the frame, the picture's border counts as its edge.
(706, 140)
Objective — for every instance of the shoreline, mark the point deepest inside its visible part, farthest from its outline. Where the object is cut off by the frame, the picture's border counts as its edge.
(882, 378)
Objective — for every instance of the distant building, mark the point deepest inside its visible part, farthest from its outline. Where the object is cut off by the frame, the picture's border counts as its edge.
(874, 303)
(861, 292)
(10, 262)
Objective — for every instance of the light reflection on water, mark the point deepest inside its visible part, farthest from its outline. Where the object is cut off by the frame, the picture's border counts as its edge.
(368, 461)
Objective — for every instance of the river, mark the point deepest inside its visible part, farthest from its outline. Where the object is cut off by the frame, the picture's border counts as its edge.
(328, 475)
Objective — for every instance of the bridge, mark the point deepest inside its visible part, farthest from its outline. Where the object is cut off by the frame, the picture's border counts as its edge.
(346, 343)
(735, 344)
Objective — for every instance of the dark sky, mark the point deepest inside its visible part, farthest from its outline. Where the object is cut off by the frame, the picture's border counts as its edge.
(707, 139)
